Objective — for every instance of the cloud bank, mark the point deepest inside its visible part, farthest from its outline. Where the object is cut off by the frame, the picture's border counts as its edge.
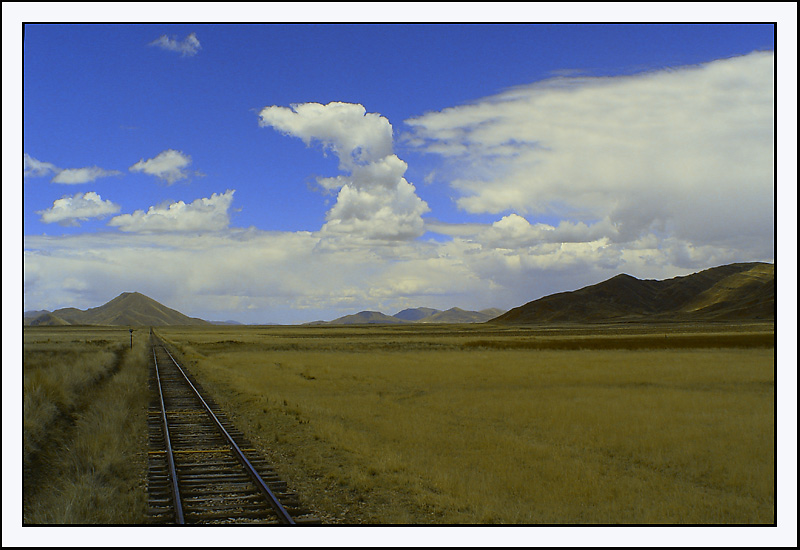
(685, 153)
(246, 274)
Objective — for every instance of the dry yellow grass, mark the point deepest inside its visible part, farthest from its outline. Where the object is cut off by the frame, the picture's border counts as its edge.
(401, 425)
(85, 402)
(58, 367)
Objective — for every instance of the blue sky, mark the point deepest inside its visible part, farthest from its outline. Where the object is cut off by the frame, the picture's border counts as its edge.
(293, 172)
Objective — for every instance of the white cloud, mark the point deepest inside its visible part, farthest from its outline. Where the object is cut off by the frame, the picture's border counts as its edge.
(169, 165)
(32, 168)
(374, 200)
(83, 175)
(355, 136)
(204, 214)
(81, 206)
(187, 47)
(685, 153)
(514, 231)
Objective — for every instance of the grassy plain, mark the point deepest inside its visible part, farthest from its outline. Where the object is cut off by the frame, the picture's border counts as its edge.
(85, 403)
(476, 424)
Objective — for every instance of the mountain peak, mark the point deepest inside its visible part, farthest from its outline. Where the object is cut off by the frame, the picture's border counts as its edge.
(127, 309)
(623, 277)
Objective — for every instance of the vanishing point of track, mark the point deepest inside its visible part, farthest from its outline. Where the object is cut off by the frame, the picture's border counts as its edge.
(202, 470)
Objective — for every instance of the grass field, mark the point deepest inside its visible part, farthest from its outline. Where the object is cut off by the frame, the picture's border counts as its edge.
(473, 424)
(85, 403)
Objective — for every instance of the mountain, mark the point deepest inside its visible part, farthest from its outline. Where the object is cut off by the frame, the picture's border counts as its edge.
(365, 318)
(415, 314)
(29, 316)
(458, 315)
(45, 319)
(127, 309)
(492, 312)
(738, 291)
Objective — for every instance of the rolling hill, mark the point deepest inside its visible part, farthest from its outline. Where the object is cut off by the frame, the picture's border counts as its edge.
(458, 315)
(415, 314)
(741, 291)
(46, 319)
(127, 309)
(365, 318)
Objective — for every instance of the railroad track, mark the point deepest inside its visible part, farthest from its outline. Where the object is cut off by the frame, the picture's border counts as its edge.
(201, 468)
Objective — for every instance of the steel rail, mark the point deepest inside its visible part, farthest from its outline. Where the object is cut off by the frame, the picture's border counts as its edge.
(283, 515)
(173, 474)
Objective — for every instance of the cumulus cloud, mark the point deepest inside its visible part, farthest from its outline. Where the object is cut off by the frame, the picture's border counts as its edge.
(685, 153)
(204, 214)
(374, 200)
(169, 165)
(187, 47)
(83, 175)
(79, 207)
(32, 168)
(355, 136)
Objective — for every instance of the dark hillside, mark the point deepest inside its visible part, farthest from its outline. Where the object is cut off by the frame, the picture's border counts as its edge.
(731, 292)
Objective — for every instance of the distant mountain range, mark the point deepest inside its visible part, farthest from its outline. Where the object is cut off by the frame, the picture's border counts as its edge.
(734, 292)
(415, 315)
(742, 291)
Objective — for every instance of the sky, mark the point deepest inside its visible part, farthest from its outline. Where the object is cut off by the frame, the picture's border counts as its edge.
(287, 173)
